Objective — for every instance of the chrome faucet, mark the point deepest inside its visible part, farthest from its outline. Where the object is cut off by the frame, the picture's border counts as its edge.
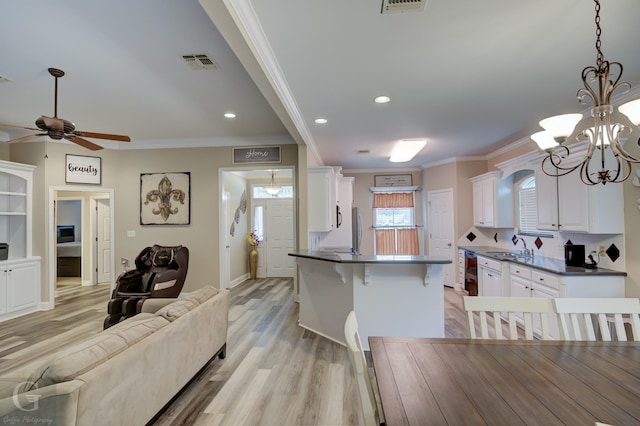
(526, 252)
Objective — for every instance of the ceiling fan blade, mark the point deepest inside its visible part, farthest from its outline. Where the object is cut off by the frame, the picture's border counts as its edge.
(83, 142)
(119, 138)
(53, 122)
(26, 138)
(20, 127)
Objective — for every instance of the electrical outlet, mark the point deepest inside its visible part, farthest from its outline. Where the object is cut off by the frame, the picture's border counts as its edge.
(602, 250)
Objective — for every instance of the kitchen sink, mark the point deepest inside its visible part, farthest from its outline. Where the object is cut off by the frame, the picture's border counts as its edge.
(506, 253)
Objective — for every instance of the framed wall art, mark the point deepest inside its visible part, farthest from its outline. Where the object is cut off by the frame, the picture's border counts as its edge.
(256, 154)
(83, 169)
(165, 198)
(393, 180)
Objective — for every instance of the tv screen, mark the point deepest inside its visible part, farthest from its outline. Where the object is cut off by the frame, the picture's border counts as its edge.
(66, 233)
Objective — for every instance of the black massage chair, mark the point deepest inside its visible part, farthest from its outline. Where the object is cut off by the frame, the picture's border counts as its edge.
(160, 272)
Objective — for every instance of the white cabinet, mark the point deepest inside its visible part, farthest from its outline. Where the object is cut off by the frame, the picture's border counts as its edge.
(20, 273)
(531, 282)
(492, 201)
(526, 282)
(19, 287)
(566, 204)
(323, 197)
(490, 276)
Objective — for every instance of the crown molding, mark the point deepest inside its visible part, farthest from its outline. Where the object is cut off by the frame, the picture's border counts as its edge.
(244, 15)
(454, 160)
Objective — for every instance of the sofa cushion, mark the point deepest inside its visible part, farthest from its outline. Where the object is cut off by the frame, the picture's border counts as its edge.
(138, 327)
(201, 295)
(78, 359)
(176, 309)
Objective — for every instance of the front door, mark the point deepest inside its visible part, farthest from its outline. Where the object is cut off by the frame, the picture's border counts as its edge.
(279, 238)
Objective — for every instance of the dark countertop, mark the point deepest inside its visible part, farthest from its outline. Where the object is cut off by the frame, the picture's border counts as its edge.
(329, 256)
(547, 264)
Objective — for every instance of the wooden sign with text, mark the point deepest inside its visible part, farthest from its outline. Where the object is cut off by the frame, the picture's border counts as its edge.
(256, 154)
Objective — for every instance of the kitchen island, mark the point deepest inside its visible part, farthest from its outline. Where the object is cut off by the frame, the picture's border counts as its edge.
(391, 295)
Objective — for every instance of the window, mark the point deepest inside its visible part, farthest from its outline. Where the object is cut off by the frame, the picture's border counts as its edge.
(390, 217)
(258, 221)
(528, 207)
(258, 192)
(394, 224)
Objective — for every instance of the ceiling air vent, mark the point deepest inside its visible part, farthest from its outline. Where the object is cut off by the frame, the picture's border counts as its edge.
(401, 6)
(199, 61)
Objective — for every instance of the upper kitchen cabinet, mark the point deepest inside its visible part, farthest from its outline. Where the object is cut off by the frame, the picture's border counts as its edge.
(323, 198)
(566, 204)
(492, 201)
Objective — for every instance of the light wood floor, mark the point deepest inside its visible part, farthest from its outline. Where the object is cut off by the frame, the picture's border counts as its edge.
(275, 372)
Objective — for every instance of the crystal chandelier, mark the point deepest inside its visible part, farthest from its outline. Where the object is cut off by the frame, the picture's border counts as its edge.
(272, 188)
(604, 131)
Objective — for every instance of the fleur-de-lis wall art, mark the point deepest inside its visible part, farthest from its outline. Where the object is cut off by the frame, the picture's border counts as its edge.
(165, 198)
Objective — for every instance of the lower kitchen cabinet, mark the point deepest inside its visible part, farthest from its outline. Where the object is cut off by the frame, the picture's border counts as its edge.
(490, 277)
(19, 287)
(531, 282)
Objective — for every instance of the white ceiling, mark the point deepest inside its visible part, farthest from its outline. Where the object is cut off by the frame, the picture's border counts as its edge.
(469, 76)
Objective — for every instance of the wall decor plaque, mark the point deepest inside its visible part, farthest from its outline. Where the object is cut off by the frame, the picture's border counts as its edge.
(165, 198)
(83, 169)
(256, 154)
(393, 180)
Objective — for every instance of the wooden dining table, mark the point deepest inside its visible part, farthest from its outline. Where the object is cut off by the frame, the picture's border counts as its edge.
(502, 382)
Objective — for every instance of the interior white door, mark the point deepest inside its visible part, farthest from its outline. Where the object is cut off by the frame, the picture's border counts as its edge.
(225, 250)
(103, 240)
(279, 238)
(441, 233)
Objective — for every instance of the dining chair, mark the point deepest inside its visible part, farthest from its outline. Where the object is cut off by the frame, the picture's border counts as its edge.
(529, 307)
(577, 316)
(372, 412)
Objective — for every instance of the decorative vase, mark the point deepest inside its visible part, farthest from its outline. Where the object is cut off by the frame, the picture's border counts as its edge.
(253, 262)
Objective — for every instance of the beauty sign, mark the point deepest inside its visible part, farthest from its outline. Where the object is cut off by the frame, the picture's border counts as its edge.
(256, 154)
(83, 169)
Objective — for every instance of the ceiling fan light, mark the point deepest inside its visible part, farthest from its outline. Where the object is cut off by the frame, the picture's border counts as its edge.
(406, 149)
(560, 125)
(544, 140)
(631, 110)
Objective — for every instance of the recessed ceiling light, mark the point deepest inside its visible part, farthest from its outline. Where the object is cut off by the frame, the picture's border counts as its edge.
(381, 99)
(320, 121)
(229, 115)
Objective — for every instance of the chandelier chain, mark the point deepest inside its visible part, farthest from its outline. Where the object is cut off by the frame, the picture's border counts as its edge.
(600, 58)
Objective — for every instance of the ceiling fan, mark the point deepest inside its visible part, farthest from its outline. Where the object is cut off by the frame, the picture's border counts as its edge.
(58, 128)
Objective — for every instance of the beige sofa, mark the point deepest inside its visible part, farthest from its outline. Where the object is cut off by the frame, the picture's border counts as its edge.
(126, 374)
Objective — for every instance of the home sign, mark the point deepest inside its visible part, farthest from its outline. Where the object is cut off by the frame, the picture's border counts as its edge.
(256, 154)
